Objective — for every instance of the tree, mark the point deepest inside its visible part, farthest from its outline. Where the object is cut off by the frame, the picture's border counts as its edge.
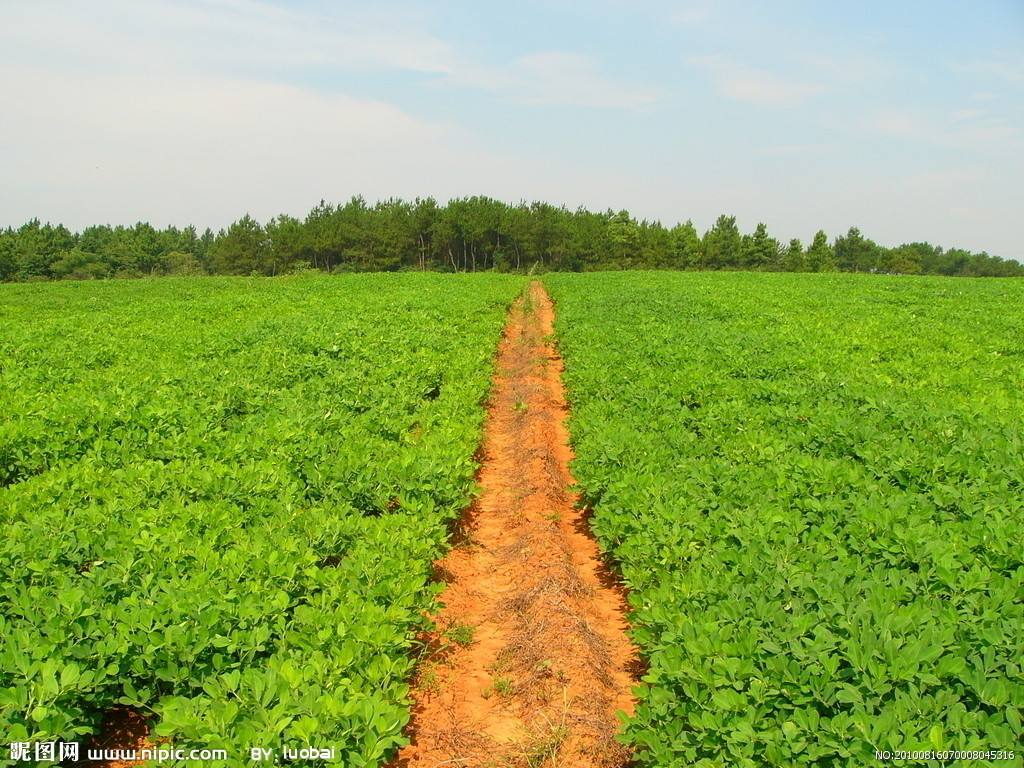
(466, 234)
(32, 251)
(545, 240)
(392, 235)
(820, 256)
(623, 238)
(148, 248)
(424, 216)
(855, 253)
(204, 248)
(79, 265)
(8, 262)
(759, 250)
(722, 244)
(904, 259)
(242, 250)
(686, 246)
(655, 246)
(182, 263)
(316, 225)
(793, 259)
(287, 242)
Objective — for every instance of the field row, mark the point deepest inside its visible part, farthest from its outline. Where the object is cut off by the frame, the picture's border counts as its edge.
(222, 500)
(814, 487)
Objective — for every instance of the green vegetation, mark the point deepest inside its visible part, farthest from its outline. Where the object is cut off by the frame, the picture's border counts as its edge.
(814, 487)
(500, 685)
(466, 235)
(221, 499)
(461, 634)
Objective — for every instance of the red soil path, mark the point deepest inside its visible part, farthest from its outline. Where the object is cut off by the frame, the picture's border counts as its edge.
(530, 661)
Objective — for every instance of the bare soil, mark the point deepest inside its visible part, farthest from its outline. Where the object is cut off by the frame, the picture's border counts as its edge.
(529, 662)
(122, 729)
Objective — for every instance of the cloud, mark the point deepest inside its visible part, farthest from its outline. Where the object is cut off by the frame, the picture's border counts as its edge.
(897, 123)
(556, 78)
(995, 69)
(201, 110)
(967, 114)
(793, 150)
(198, 110)
(944, 181)
(850, 68)
(960, 129)
(180, 148)
(754, 86)
(123, 147)
(239, 36)
(690, 13)
(250, 39)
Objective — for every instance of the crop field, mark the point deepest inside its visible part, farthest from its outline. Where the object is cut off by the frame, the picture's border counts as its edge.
(225, 504)
(814, 487)
(221, 499)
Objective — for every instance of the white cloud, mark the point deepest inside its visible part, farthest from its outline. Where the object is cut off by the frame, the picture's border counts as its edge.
(897, 123)
(110, 148)
(257, 40)
(240, 36)
(556, 78)
(944, 181)
(963, 129)
(846, 69)
(123, 147)
(755, 86)
(1005, 69)
(793, 150)
(690, 13)
(197, 112)
(967, 114)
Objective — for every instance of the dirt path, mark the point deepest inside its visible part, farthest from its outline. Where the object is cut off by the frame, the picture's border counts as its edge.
(530, 661)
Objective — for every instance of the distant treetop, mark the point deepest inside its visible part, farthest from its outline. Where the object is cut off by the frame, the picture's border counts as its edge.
(468, 234)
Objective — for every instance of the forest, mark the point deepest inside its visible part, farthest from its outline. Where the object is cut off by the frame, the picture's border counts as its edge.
(466, 235)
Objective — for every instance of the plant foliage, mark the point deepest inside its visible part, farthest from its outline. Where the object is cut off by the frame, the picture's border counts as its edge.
(814, 487)
(221, 499)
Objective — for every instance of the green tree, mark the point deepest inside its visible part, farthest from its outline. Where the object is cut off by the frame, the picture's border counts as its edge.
(242, 250)
(905, 259)
(760, 250)
(794, 258)
(424, 216)
(466, 234)
(287, 242)
(686, 246)
(148, 248)
(722, 244)
(181, 263)
(8, 262)
(32, 251)
(820, 257)
(855, 253)
(623, 238)
(79, 265)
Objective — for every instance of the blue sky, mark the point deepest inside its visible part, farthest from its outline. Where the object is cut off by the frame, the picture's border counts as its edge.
(906, 119)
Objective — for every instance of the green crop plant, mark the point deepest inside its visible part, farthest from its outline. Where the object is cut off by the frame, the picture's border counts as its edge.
(221, 499)
(814, 488)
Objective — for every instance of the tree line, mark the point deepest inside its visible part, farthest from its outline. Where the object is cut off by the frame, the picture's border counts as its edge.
(467, 234)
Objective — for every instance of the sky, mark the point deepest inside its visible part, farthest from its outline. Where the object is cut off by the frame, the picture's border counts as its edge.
(905, 119)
